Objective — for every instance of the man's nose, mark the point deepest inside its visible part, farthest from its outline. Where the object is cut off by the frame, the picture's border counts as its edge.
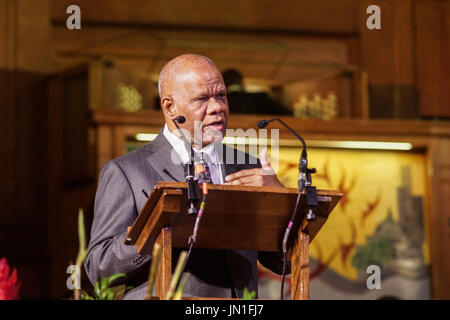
(216, 106)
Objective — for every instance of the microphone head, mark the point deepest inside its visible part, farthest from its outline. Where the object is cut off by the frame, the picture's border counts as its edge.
(180, 119)
(262, 124)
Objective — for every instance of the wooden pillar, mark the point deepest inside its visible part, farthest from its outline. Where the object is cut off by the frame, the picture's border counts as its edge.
(300, 266)
(164, 273)
(438, 222)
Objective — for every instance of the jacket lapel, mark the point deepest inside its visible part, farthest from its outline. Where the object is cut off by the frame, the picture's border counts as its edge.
(163, 158)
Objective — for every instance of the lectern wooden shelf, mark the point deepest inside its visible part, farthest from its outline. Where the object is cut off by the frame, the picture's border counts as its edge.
(236, 218)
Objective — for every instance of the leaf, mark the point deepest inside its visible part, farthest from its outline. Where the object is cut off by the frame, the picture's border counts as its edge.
(176, 276)
(179, 292)
(156, 256)
(97, 289)
(248, 295)
(103, 283)
(86, 296)
(102, 288)
(111, 295)
(115, 277)
(82, 252)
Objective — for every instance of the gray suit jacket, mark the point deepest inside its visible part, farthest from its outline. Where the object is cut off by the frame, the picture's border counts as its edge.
(119, 199)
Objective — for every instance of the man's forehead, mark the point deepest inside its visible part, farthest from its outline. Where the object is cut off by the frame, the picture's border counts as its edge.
(189, 70)
(200, 77)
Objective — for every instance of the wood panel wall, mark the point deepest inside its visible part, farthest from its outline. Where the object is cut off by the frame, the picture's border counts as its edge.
(25, 62)
(432, 27)
(405, 60)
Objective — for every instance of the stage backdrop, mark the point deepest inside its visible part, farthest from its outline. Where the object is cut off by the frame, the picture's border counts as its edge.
(381, 220)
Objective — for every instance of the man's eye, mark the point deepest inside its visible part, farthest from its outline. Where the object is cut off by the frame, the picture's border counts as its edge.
(202, 98)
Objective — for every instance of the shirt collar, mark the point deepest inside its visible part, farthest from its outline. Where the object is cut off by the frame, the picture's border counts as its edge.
(179, 147)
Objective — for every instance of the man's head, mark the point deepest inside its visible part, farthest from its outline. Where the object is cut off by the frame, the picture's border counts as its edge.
(190, 85)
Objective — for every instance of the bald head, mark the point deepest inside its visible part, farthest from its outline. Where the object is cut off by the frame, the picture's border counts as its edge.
(192, 86)
(177, 68)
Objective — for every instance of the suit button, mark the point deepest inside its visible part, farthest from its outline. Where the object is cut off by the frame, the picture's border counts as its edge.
(138, 259)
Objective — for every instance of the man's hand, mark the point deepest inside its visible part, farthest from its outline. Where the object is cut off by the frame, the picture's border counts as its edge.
(264, 176)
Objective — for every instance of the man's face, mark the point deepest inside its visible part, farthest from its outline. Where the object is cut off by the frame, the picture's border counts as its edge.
(201, 97)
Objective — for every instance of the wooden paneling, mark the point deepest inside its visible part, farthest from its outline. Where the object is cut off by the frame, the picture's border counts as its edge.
(34, 36)
(7, 98)
(8, 9)
(153, 121)
(251, 14)
(388, 57)
(24, 65)
(68, 190)
(432, 19)
(142, 52)
(150, 34)
(439, 217)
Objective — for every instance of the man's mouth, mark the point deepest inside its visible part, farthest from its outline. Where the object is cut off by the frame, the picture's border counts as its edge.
(216, 124)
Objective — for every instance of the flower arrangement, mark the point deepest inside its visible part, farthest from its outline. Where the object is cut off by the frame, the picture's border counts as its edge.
(9, 283)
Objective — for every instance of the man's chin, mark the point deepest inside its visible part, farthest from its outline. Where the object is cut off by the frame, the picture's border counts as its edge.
(212, 136)
(210, 140)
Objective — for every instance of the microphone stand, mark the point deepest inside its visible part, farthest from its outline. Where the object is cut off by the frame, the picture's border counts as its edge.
(189, 173)
(304, 183)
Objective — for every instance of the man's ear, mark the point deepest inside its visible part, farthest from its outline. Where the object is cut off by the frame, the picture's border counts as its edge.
(169, 108)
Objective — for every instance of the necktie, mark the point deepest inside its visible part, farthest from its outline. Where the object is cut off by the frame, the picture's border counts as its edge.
(206, 176)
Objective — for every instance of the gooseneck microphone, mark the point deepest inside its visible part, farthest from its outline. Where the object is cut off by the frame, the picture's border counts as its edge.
(189, 173)
(304, 182)
(303, 163)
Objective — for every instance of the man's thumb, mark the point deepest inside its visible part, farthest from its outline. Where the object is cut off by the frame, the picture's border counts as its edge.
(265, 163)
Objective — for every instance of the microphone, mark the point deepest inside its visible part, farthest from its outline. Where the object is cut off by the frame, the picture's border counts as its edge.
(180, 119)
(263, 123)
(304, 182)
(304, 172)
(304, 178)
(189, 172)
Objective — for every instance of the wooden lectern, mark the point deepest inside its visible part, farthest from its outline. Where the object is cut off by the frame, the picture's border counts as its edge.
(236, 218)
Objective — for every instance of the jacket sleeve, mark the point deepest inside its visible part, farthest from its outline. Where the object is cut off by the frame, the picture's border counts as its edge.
(114, 211)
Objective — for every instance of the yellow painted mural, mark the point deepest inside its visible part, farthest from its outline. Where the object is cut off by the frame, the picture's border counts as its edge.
(380, 219)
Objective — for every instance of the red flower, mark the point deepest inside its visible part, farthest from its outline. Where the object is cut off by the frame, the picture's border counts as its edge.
(9, 285)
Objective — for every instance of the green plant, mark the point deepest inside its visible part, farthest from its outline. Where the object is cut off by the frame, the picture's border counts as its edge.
(248, 295)
(82, 252)
(102, 289)
(156, 256)
(174, 291)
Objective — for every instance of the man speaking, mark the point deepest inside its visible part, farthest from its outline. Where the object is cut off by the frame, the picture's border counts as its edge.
(192, 89)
